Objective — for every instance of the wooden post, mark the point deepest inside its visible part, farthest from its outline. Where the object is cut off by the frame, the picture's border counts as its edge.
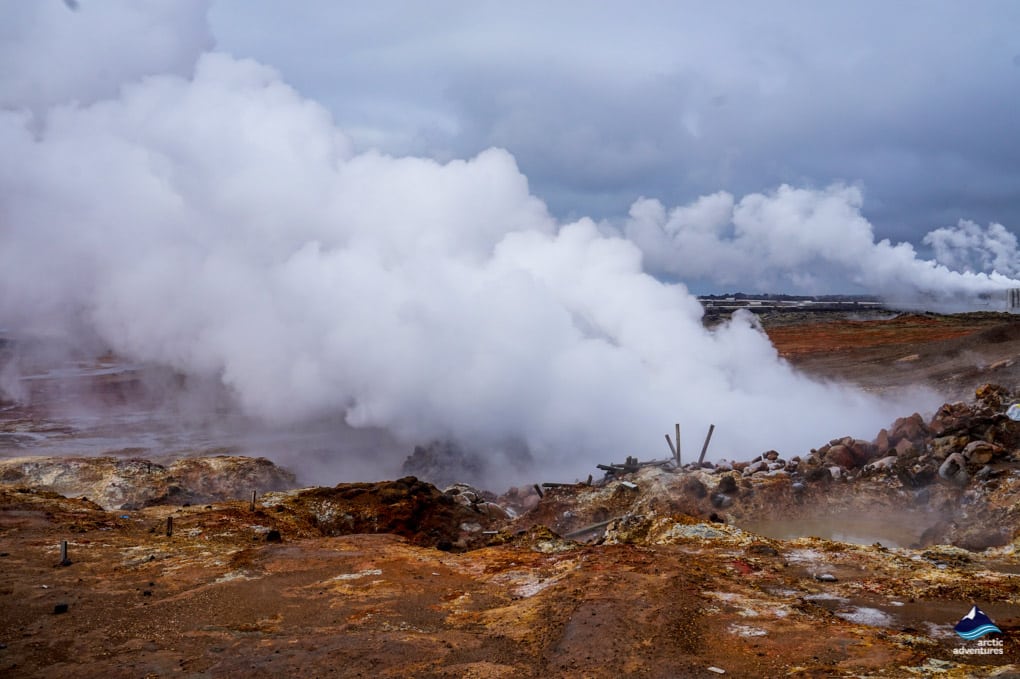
(678, 444)
(169, 526)
(64, 561)
(253, 501)
(704, 448)
(672, 448)
(538, 489)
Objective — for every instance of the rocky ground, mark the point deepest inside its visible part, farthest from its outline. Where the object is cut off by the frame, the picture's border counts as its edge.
(173, 568)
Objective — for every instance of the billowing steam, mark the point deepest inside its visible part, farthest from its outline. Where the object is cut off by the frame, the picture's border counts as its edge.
(219, 224)
(808, 240)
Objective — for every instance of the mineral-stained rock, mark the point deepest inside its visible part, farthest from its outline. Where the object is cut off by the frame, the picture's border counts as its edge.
(942, 446)
(695, 487)
(906, 449)
(954, 469)
(912, 428)
(841, 455)
(981, 452)
(991, 396)
(882, 443)
(117, 483)
(407, 507)
(727, 484)
(950, 418)
(863, 452)
(882, 463)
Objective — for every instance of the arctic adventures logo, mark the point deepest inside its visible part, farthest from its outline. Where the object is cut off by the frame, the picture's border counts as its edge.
(972, 627)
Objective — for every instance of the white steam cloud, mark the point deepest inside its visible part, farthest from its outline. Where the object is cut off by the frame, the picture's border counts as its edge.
(804, 240)
(968, 247)
(218, 223)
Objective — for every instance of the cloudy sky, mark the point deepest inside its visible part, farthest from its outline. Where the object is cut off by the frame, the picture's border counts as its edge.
(601, 103)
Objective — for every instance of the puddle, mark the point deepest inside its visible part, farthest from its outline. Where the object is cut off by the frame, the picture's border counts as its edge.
(903, 531)
(932, 618)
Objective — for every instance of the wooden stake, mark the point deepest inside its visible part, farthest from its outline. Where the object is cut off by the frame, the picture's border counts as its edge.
(672, 448)
(253, 501)
(169, 526)
(64, 561)
(704, 448)
(678, 444)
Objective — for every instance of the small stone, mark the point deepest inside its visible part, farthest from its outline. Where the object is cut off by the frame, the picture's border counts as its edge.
(754, 467)
(721, 501)
(825, 577)
(727, 484)
(60, 608)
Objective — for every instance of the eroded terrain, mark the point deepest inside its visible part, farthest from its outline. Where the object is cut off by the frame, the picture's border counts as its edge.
(174, 570)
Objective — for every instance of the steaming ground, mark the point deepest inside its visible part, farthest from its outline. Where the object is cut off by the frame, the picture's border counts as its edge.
(216, 224)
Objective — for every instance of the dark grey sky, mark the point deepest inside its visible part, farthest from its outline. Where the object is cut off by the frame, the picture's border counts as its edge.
(600, 103)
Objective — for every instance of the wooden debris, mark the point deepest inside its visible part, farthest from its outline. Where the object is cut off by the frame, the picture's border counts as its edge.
(678, 444)
(538, 489)
(64, 561)
(588, 529)
(632, 465)
(704, 448)
(672, 448)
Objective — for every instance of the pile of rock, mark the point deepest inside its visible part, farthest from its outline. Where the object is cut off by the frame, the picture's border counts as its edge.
(962, 441)
(457, 519)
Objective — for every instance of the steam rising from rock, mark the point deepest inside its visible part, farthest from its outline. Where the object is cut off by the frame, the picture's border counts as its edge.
(218, 223)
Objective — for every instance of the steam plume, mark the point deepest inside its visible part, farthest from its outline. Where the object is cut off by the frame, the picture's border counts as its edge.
(816, 241)
(218, 223)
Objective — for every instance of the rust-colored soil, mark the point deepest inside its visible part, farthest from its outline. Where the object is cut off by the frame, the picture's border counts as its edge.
(217, 600)
(905, 330)
(396, 579)
(951, 354)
